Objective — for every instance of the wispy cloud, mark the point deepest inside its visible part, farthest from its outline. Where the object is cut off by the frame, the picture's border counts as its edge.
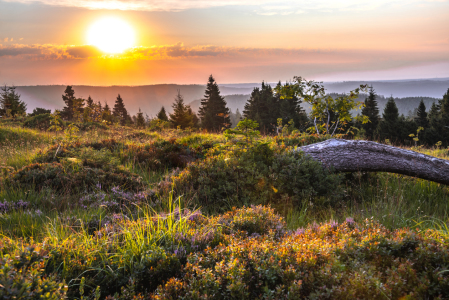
(262, 6)
(232, 55)
(164, 52)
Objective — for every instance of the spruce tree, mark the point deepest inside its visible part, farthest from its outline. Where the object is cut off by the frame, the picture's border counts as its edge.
(235, 117)
(162, 115)
(68, 97)
(10, 103)
(182, 114)
(421, 115)
(372, 112)
(90, 102)
(140, 120)
(213, 113)
(262, 107)
(120, 111)
(444, 111)
(388, 126)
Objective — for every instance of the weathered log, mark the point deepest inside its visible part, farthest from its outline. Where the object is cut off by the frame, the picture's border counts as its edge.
(356, 155)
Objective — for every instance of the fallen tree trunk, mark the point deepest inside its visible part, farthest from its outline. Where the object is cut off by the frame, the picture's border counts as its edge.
(356, 155)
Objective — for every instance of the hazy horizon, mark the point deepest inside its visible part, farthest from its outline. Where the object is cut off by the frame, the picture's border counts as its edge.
(104, 43)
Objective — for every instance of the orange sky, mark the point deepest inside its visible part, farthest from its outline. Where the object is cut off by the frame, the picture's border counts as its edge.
(45, 42)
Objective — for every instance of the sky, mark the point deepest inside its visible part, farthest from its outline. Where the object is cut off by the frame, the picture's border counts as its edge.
(184, 41)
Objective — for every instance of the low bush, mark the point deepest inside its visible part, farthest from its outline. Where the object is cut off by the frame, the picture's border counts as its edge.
(21, 277)
(40, 121)
(326, 261)
(257, 175)
(246, 253)
(72, 177)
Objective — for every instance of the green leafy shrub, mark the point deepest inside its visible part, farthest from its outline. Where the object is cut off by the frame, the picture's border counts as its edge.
(21, 277)
(300, 177)
(254, 176)
(39, 121)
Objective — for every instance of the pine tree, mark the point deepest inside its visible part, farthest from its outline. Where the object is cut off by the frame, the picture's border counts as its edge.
(10, 103)
(421, 115)
(235, 117)
(68, 97)
(388, 126)
(372, 112)
(120, 111)
(182, 115)
(140, 120)
(162, 115)
(89, 102)
(213, 113)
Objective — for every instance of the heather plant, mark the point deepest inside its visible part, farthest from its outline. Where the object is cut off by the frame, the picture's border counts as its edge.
(327, 260)
(21, 277)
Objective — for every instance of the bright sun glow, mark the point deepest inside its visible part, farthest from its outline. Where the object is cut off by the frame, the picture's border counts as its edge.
(111, 35)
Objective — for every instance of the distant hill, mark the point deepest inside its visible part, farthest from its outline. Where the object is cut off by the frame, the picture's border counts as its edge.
(150, 98)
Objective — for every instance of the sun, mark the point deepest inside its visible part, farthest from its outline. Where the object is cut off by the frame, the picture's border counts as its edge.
(111, 35)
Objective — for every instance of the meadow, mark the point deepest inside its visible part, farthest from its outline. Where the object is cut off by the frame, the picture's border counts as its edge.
(114, 212)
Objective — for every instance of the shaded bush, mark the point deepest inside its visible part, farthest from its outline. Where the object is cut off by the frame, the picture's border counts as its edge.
(39, 121)
(160, 155)
(71, 178)
(255, 176)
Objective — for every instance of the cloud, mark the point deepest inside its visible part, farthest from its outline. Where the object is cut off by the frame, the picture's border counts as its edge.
(263, 6)
(49, 51)
(227, 56)
(83, 51)
(19, 50)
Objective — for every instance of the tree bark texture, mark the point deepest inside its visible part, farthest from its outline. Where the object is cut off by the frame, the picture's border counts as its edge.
(357, 155)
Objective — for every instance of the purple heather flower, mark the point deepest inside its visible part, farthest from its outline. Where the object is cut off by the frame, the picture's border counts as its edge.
(350, 220)
(333, 224)
(299, 231)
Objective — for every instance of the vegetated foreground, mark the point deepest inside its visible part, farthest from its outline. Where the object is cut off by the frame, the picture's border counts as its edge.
(119, 213)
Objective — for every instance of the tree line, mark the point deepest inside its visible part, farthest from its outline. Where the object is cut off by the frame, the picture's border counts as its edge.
(272, 109)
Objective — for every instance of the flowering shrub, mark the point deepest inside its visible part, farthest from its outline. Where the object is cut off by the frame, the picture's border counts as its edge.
(6, 207)
(326, 261)
(21, 277)
(246, 253)
(254, 221)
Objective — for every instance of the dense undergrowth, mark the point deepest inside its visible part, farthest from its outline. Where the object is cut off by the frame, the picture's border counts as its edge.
(132, 214)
